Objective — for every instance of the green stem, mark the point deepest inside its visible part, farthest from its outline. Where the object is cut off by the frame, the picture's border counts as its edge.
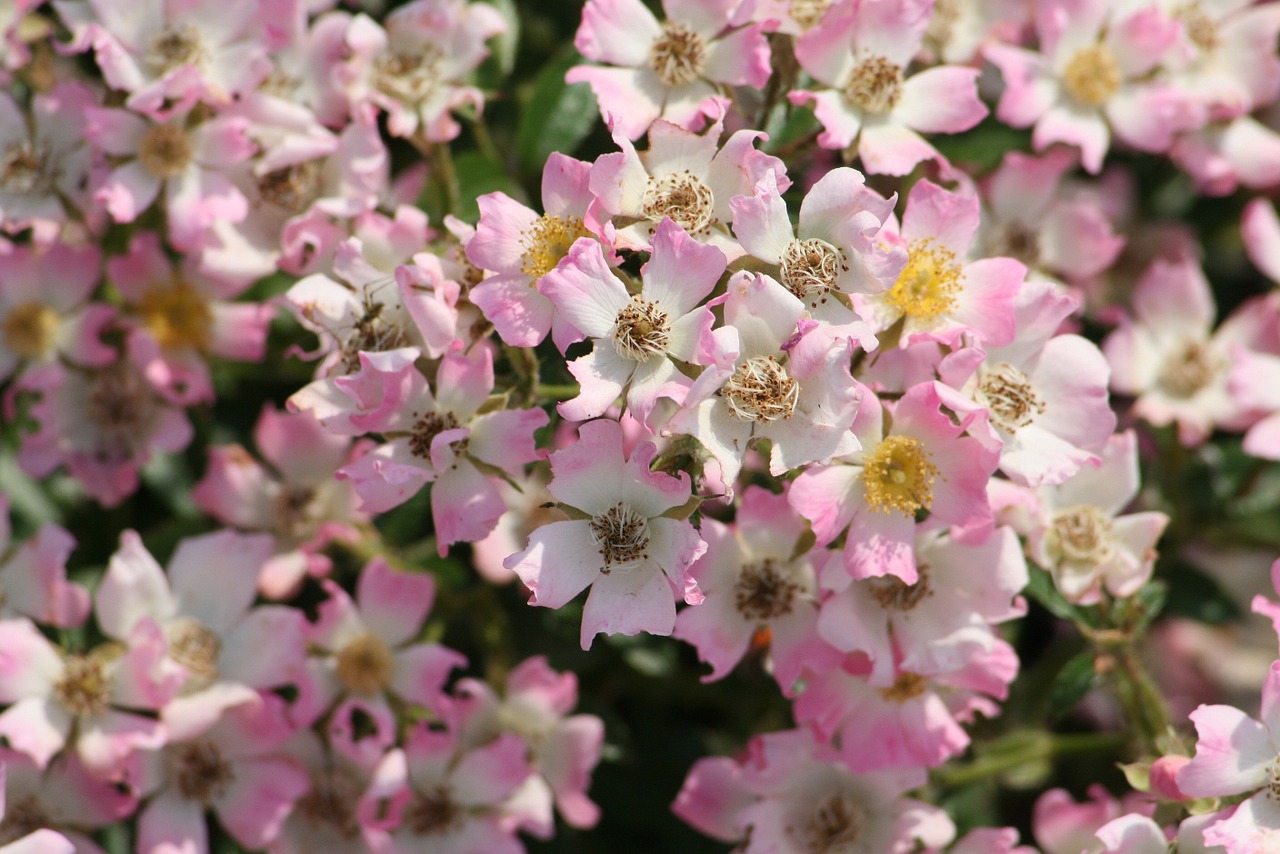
(1045, 746)
(557, 391)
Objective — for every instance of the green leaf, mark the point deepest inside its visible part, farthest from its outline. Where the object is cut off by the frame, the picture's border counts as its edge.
(556, 116)
(1041, 588)
(1151, 599)
(478, 175)
(1073, 681)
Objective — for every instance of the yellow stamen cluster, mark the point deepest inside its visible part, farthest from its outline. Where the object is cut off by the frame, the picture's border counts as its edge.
(875, 86)
(928, 285)
(177, 315)
(547, 241)
(365, 664)
(1092, 75)
(166, 151)
(30, 329)
(899, 475)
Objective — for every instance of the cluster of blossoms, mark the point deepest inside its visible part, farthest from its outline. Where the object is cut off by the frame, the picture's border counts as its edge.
(781, 381)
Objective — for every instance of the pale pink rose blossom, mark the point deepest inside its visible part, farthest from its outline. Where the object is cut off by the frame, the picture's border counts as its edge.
(757, 589)
(87, 701)
(638, 339)
(861, 53)
(1235, 755)
(778, 377)
(292, 495)
(1223, 156)
(690, 178)
(940, 294)
(1064, 826)
(415, 67)
(177, 320)
(44, 161)
(521, 247)
(435, 795)
(364, 654)
(170, 54)
(634, 557)
(536, 705)
(1092, 78)
(63, 799)
(39, 324)
(918, 461)
(791, 794)
(675, 69)
(226, 648)
(235, 769)
(187, 164)
(325, 817)
(1132, 834)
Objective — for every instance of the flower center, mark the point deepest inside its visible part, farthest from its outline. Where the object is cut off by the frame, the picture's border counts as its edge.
(1188, 369)
(30, 329)
(622, 535)
(176, 47)
(907, 686)
(291, 188)
(1200, 28)
(427, 428)
(177, 315)
(121, 405)
(332, 801)
(194, 647)
(808, 13)
(547, 241)
(809, 269)
(83, 688)
(409, 78)
(365, 664)
(1009, 397)
(1092, 75)
(678, 56)
(833, 826)
(371, 333)
(764, 591)
(641, 331)
(928, 285)
(433, 812)
(681, 196)
(894, 594)
(899, 475)
(1015, 240)
(876, 85)
(200, 773)
(165, 151)
(761, 390)
(21, 169)
(1082, 533)
(291, 513)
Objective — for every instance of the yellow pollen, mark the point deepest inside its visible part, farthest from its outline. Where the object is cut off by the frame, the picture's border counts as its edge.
(876, 85)
(30, 328)
(365, 664)
(1082, 533)
(165, 151)
(807, 13)
(1189, 368)
(1092, 75)
(1007, 393)
(411, 79)
(899, 475)
(678, 56)
(907, 686)
(547, 241)
(1200, 28)
(176, 315)
(84, 688)
(927, 287)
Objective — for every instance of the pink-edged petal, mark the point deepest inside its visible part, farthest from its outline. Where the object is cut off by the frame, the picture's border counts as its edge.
(465, 506)
(619, 32)
(421, 671)
(257, 801)
(628, 601)
(1261, 229)
(506, 439)
(1233, 754)
(942, 99)
(173, 824)
(561, 560)
(134, 587)
(739, 59)
(881, 544)
(393, 602)
(585, 290)
(681, 271)
(1083, 128)
(265, 648)
(37, 727)
(218, 598)
(496, 243)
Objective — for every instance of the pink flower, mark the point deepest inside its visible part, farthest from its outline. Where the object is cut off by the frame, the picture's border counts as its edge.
(791, 794)
(862, 51)
(442, 438)
(1063, 826)
(638, 338)
(364, 654)
(635, 558)
(674, 69)
(1092, 78)
(687, 177)
(413, 69)
(64, 799)
(563, 748)
(1235, 755)
(293, 496)
(921, 462)
(521, 247)
(939, 294)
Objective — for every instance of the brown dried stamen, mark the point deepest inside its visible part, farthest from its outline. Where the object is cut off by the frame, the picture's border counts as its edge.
(622, 535)
(678, 56)
(764, 590)
(641, 331)
(761, 390)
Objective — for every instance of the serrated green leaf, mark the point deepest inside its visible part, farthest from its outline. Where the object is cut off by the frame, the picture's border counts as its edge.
(1073, 681)
(556, 116)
